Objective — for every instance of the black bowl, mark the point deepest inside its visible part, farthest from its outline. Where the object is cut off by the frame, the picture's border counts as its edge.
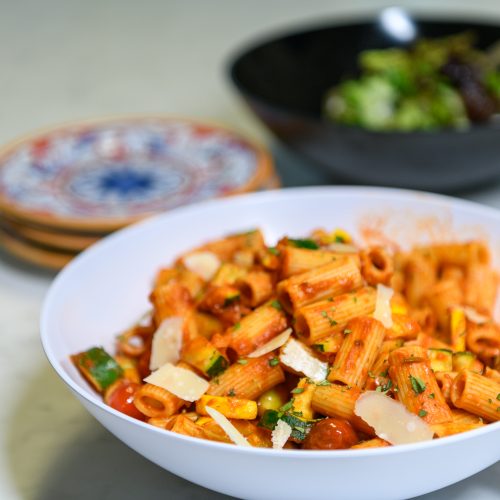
(284, 81)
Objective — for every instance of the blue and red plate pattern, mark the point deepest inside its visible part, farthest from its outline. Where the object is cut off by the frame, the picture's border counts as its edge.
(125, 169)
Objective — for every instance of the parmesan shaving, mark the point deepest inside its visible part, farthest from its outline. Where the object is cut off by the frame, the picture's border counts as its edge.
(167, 342)
(383, 310)
(181, 382)
(391, 420)
(342, 248)
(233, 433)
(296, 356)
(273, 344)
(204, 264)
(472, 315)
(280, 434)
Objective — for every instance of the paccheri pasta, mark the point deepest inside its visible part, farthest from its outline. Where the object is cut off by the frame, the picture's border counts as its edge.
(313, 343)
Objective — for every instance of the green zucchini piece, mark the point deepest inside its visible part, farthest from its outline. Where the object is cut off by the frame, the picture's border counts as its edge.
(98, 367)
(441, 359)
(217, 365)
(303, 243)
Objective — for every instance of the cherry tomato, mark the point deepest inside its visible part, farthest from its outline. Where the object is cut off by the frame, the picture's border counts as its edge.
(331, 434)
(120, 396)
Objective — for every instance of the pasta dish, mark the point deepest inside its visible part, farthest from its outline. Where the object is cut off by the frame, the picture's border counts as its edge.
(315, 343)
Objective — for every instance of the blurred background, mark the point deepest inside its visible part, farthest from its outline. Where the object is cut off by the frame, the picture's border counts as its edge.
(74, 60)
(66, 60)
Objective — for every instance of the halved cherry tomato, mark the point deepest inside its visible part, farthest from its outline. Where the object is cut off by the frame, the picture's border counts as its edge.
(120, 396)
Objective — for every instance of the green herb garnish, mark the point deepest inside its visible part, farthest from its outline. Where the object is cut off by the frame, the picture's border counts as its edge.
(303, 243)
(298, 390)
(274, 361)
(417, 385)
(276, 305)
(384, 388)
(422, 413)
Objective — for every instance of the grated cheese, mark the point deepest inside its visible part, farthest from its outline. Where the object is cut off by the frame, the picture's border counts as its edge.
(179, 381)
(204, 264)
(273, 344)
(383, 310)
(167, 342)
(280, 434)
(297, 357)
(391, 420)
(233, 433)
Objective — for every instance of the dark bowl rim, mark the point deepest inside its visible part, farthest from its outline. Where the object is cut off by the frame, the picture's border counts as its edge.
(298, 28)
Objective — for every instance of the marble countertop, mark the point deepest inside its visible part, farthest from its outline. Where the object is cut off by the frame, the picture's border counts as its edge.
(66, 60)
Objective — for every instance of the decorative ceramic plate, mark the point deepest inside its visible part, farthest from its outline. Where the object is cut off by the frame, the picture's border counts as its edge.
(38, 255)
(58, 240)
(102, 175)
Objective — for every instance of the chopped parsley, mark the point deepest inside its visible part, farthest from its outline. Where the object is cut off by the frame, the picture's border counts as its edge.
(273, 250)
(237, 326)
(323, 382)
(242, 361)
(498, 396)
(298, 390)
(490, 400)
(325, 315)
(274, 361)
(287, 406)
(319, 347)
(384, 373)
(303, 243)
(422, 413)
(231, 393)
(347, 331)
(371, 374)
(384, 388)
(417, 385)
(432, 395)
(355, 299)
(276, 305)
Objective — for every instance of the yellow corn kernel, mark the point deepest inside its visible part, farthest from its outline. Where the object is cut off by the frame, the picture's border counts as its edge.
(230, 407)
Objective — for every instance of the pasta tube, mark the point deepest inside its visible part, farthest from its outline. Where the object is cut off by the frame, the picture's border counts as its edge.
(417, 387)
(257, 328)
(340, 276)
(249, 380)
(321, 318)
(476, 394)
(336, 400)
(358, 352)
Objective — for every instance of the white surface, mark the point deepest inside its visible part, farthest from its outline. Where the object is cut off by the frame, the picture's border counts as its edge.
(73, 319)
(64, 60)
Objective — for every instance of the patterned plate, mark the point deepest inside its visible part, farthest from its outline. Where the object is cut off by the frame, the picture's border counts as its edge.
(58, 240)
(102, 175)
(37, 255)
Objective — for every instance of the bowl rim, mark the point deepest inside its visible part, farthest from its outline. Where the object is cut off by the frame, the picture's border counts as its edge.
(264, 168)
(301, 28)
(391, 194)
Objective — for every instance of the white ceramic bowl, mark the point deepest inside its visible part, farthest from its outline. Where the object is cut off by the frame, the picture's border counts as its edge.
(105, 289)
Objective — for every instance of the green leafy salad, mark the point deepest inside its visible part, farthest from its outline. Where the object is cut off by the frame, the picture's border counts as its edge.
(436, 83)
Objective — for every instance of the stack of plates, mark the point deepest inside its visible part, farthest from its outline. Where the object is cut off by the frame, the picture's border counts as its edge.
(63, 189)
